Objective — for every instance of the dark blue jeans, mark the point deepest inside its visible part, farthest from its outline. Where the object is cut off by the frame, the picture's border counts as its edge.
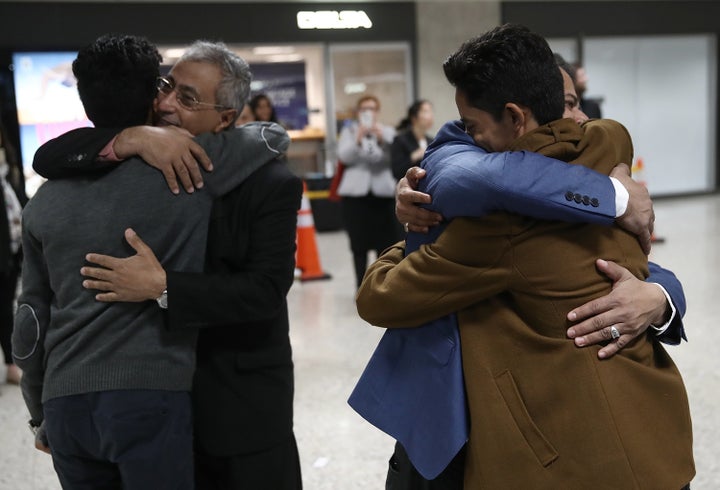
(128, 439)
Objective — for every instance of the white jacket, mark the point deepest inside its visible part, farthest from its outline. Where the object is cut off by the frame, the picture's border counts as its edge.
(367, 164)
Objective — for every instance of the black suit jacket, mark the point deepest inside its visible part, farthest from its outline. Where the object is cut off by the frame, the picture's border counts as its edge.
(74, 153)
(402, 146)
(243, 386)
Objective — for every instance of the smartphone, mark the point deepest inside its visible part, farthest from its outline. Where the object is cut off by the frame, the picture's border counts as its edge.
(366, 119)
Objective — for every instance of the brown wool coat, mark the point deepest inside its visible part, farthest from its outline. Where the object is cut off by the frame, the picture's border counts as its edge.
(545, 415)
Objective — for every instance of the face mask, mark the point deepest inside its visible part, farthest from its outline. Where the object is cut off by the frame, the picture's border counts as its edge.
(366, 118)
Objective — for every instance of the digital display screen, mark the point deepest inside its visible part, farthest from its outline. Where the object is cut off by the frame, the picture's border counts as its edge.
(47, 102)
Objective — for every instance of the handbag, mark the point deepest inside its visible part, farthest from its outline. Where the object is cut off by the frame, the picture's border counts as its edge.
(335, 182)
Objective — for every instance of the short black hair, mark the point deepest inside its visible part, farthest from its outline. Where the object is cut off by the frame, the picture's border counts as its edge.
(565, 66)
(117, 79)
(509, 64)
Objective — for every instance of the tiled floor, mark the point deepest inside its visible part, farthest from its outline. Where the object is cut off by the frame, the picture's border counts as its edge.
(339, 451)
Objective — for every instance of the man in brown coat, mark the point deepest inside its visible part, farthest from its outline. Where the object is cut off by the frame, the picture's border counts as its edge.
(544, 414)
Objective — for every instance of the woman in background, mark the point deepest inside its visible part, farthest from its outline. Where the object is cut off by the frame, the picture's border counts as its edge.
(262, 108)
(408, 147)
(367, 187)
(12, 198)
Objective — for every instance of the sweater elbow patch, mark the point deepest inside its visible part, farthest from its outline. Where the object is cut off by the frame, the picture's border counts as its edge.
(26, 334)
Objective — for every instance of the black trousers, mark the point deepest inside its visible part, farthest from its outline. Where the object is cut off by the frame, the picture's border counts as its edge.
(371, 225)
(277, 468)
(402, 475)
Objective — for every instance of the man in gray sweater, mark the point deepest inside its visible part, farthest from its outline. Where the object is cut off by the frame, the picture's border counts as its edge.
(108, 381)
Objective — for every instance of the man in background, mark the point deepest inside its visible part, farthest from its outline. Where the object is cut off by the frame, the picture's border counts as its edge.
(591, 107)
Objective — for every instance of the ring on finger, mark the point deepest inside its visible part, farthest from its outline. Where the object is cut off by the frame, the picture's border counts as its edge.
(614, 333)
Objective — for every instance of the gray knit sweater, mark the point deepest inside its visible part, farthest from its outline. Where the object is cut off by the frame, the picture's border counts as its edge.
(67, 342)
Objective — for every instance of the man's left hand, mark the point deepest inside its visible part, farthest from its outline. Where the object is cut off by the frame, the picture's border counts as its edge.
(41, 441)
(42, 447)
(137, 278)
(170, 150)
(631, 307)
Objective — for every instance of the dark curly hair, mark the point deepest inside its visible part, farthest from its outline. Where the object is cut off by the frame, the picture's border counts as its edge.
(116, 78)
(509, 64)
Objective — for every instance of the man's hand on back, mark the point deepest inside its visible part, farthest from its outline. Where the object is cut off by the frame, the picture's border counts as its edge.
(639, 217)
(136, 278)
(169, 149)
(630, 307)
(407, 200)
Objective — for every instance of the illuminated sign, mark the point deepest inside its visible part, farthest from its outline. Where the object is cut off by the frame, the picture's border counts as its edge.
(332, 19)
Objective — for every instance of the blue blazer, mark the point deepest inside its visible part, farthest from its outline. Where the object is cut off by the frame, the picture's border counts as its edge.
(413, 387)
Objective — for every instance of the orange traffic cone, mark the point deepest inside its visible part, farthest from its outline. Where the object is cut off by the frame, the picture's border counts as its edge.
(307, 259)
(637, 171)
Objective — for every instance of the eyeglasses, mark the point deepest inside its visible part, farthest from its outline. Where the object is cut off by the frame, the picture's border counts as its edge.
(189, 102)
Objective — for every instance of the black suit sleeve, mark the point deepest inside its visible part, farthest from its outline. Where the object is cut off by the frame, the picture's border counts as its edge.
(254, 269)
(74, 153)
(400, 151)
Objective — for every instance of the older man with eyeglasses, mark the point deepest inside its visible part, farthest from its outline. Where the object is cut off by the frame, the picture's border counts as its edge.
(243, 384)
(184, 96)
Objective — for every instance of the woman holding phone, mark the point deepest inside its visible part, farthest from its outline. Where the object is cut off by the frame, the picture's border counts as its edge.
(367, 188)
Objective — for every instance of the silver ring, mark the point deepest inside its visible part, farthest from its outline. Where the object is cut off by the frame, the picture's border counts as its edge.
(614, 332)
(406, 226)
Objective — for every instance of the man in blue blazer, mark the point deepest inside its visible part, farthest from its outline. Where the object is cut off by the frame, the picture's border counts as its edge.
(413, 387)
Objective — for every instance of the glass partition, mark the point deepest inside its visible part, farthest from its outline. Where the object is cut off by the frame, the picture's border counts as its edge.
(663, 89)
(383, 70)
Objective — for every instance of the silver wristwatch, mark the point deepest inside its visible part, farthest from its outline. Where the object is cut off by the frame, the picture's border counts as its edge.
(162, 300)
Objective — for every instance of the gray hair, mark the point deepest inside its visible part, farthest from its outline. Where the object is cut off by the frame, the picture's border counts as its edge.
(234, 88)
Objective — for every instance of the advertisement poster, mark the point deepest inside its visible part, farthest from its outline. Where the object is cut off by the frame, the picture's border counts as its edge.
(47, 103)
(284, 84)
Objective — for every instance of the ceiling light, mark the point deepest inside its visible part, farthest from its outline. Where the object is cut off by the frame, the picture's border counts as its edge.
(270, 50)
